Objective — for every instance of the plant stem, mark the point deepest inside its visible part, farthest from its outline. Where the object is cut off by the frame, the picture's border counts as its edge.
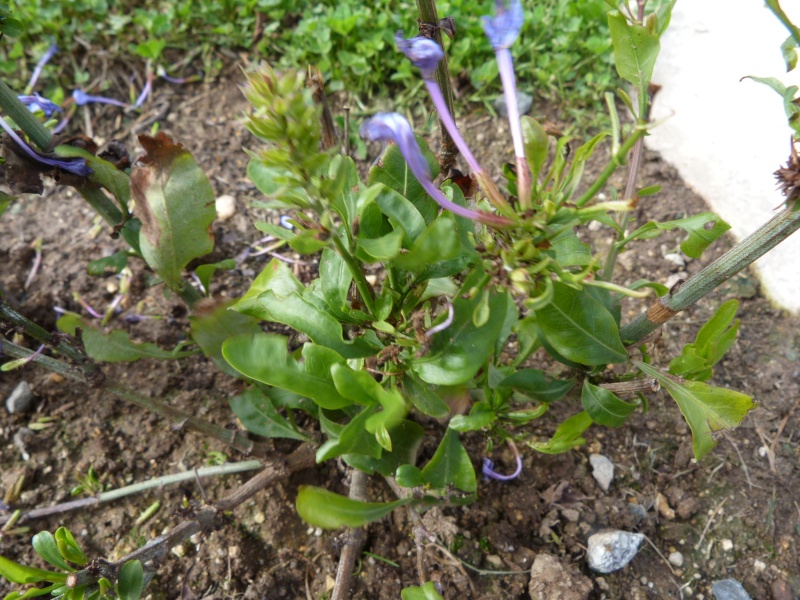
(429, 27)
(104, 207)
(24, 118)
(616, 160)
(364, 289)
(129, 490)
(235, 439)
(201, 520)
(355, 540)
(776, 9)
(754, 246)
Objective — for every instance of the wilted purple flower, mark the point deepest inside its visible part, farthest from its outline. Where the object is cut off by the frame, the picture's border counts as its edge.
(424, 53)
(50, 53)
(145, 91)
(82, 98)
(395, 127)
(490, 473)
(74, 165)
(503, 29)
(37, 102)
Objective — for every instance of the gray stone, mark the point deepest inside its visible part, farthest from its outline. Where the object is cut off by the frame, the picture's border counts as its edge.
(610, 551)
(524, 102)
(729, 589)
(21, 399)
(602, 470)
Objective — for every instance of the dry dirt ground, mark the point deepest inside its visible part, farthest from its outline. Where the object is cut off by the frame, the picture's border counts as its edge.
(735, 514)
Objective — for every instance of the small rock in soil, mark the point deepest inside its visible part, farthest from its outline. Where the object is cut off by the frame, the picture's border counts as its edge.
(781, 590)
(602, 470)
(551, 580)
(524, 102)
(729, 589)
(676, 558)
(21, 399)
(226, 207)
(687, 507)
(610, 551)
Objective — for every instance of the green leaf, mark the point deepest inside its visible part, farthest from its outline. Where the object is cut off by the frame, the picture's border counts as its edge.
(104, 174)
(45, 545)
(409, 476)
(11, 27)
(407, 437)
(439, 242)
(210, 330)
(570, 251)
(276, 277)
(69, 548)
(425, 592)
(790, 53)
(175, 203)
(116, 346)
(708, 410)
(424, 398)
(538, 385)
(635, 50)
(264, 357)
(17, 573)
(335, 279)
(108, 265)
(259, 415)
(205, 272)
(567, 435)
(580, 328)
(458, 352)
(537, 144)
(713, 341)
(352, 438)
(703, 229)
(403, 215)
(297, 312)
(131, 580)
(450, 465)
(392, 170)
(380, 249)
(604, 407)
(321, 508)
(481, 415)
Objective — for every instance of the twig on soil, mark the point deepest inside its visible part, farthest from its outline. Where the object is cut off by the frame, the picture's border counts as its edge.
(200, 520)
(355, 539)
(666, 562)
(741, 460)
(37, 261)
(708, 523)
(419, 529)
(128, 490)
(456, 563)
(768, 447)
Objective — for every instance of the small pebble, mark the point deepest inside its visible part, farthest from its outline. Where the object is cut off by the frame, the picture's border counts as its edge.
(21, 399)
(729, 589)
(676, 558)
(524, 102)
(726, 545)
(602, 470)
(610, 551)
(226, 207)
(664, 508)
(759, 566)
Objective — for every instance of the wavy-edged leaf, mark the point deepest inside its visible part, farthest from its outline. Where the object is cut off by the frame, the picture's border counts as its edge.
(635, 50)
(175, 203)
(708, 410)
(264, 357)
(407, 437)
(321, 508)
(258, 414)
(567, 435)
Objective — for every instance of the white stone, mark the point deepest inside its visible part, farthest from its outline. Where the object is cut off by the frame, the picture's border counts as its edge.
(610, 551)
(727, 151)
(226, 207)
(602, 470)
(759, 566)
(726, 545)
(676, 558)
(21, 399)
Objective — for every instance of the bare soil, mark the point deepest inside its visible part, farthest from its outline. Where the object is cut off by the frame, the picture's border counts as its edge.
(735, 514)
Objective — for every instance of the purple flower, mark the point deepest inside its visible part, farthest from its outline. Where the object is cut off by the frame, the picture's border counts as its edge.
(75, 165)
(424, 53)
(82, 98)
(50, 53)
(145, 91)
(395, 127)
(489, 473)
(37, 102)
(503, 29)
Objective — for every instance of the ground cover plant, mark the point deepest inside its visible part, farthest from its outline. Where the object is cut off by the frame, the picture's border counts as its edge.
(412, 305)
